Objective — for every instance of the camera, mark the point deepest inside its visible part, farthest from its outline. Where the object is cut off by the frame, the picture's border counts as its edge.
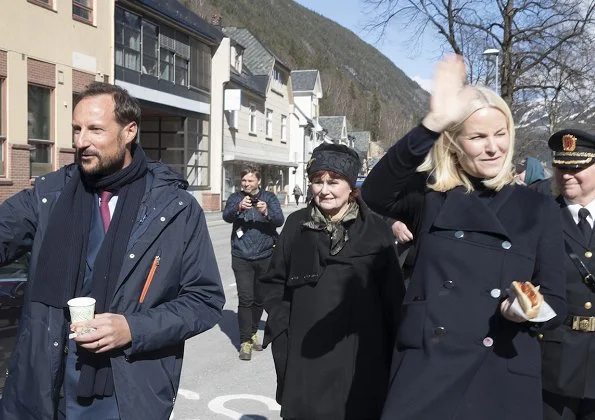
(254, 200)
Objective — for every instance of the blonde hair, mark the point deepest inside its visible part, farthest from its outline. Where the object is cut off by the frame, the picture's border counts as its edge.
(442, 163)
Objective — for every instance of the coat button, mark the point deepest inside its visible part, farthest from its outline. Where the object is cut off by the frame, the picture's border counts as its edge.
(180, 203)
(65, 349)
(439, 331)
(588, 254)
(162, 219)
(44, 200)
(495, 293)
(588, 305)
(449, 284)
(540, 336)
(131, 255)
(488, 342)
(56, 344)
(506, 245)
(459, 234)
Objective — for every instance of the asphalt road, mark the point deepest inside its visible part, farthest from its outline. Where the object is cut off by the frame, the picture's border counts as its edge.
(215, 384)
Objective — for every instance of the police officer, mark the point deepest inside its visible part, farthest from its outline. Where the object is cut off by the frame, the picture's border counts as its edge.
(569, 350)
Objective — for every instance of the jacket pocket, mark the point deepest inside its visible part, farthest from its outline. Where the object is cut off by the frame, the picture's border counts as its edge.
(411, 330)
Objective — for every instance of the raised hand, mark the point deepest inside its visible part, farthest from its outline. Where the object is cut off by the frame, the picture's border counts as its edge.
(450, 96)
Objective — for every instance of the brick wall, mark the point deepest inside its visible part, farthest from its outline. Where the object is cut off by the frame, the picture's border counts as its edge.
(211, 201)
(65, 156)
(41, 73)
(20, 174)
(80, 80)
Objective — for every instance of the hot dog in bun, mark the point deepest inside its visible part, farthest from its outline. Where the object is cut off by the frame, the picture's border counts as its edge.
(529, 297)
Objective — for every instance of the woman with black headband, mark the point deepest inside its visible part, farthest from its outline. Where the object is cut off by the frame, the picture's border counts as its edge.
(332, 295)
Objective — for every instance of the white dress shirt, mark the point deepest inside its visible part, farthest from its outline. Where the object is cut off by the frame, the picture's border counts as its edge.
(574, 208)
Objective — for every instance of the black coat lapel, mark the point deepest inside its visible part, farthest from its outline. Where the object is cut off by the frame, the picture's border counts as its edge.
(570, 228)
(463, 211)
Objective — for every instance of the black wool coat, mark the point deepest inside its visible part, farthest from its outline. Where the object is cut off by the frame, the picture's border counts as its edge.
(457, 357)
(569, 355)
(332, 319)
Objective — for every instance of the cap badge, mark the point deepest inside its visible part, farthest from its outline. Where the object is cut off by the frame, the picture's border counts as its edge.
(569, 143)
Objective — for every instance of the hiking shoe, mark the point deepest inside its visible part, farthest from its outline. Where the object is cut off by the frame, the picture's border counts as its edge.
(256, 346)
(246, 351)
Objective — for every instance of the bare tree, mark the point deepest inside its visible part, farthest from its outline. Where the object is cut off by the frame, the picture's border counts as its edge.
(529, 34)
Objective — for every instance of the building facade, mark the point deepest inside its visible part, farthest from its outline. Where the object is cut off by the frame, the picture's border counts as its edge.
(40, 70)
(176, 65)
(306, 132)
(256, 130)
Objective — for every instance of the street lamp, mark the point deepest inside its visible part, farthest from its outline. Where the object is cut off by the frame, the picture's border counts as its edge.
(493, 52)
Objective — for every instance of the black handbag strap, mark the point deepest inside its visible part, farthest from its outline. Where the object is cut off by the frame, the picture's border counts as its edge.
(586, 275)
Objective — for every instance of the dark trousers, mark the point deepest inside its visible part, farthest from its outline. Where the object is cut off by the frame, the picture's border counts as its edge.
(247, 274)
(297, 198)
(559, 407)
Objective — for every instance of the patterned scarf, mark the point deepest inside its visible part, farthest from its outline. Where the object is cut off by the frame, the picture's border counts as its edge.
(336, 229)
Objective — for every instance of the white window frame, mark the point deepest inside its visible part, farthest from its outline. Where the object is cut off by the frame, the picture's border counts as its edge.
(269, 123)
(283, 128)
(252, 119)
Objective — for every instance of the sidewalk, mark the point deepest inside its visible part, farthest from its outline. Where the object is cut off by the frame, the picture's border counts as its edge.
(215, 218)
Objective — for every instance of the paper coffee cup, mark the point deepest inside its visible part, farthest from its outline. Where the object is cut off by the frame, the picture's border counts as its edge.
(81, 309)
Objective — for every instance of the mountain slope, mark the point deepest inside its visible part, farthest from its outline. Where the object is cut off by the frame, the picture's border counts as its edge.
(358, 81)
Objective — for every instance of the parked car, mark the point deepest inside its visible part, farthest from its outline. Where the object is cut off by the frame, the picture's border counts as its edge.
(13, 281)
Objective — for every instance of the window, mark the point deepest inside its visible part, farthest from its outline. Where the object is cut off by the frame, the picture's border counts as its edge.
(200, 65)
(252, 120)
(150, 49)
(269, 124)
(82, 10)
(181, 71)
(39, 131)
(283, 128)
(47, 3)
(127, 39)
(166, 65)
(181, 143)
(277, 75)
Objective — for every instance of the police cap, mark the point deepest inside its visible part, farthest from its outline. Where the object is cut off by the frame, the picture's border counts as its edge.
(573, 149)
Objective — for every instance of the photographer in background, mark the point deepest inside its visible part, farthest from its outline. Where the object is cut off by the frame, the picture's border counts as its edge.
(256, 214)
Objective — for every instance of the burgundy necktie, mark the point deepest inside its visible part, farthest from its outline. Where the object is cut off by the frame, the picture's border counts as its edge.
(104, 208)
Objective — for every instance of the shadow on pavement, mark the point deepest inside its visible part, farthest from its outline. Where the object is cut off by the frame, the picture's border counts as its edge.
(229, 325)
(253, 417)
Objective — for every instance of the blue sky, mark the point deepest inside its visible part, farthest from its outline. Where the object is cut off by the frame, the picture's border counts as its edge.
(417, 63)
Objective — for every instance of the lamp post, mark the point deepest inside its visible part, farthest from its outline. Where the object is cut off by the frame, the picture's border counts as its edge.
(493, 52)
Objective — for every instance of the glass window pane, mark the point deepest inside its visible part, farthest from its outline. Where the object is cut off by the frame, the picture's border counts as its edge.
(38, 112)
(41, 158)
(149, 139)
(149, 124)
(173, 157)
(152, 153)
(173, 124)
(81, 12)
(149, 66)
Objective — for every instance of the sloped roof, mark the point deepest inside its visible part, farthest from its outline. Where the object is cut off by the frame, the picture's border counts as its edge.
(183, 16)
(333, 126)
(256, 84)
(361, 141)
(257, 57)
(303, 80)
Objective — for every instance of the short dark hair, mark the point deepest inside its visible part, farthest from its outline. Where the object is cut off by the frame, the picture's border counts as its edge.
(126, 108)
(250, 170)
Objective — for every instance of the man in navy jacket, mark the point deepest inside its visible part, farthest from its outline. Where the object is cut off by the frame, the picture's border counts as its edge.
(256, 214)
(120, 228)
